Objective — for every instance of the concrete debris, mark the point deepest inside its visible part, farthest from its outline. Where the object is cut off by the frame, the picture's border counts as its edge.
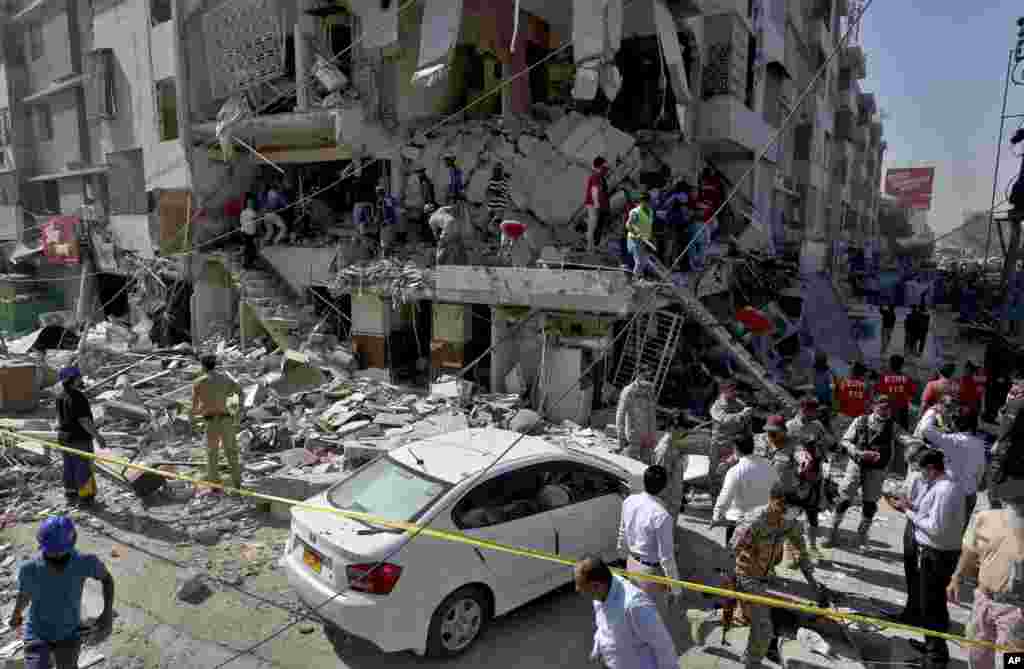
(194, 590)
(525, 422)
(207, 535)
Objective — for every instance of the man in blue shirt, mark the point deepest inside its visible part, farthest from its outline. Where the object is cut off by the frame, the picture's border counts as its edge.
(630, 634)
(52, 583)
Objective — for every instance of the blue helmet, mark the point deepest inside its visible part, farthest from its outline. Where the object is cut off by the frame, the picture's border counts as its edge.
(57, 535)
(67, 373)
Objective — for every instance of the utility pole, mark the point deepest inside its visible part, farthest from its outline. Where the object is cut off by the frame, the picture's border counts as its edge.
(184, 111)
(999, 154)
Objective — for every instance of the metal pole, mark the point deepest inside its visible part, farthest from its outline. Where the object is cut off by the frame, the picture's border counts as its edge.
(999, 154)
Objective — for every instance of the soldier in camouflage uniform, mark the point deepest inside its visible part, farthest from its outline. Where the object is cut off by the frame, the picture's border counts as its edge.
(730, 422)
(757, 546)
(669, 454)
(1008, 452)
(813, 442)
(636, 418)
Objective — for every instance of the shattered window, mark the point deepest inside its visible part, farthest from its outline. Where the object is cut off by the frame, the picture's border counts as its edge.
(387, 489)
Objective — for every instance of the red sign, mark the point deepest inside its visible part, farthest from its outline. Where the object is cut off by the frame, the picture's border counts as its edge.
(912, 186)
(60, 240)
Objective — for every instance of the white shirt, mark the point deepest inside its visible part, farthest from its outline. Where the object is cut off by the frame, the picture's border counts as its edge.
(938, 513)
(630, 634)
(247, 219)
(646, 531)
(746, 487)
(965, 458)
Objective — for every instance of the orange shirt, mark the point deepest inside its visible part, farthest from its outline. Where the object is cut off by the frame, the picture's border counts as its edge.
(935, 389)
(853, 396)
(899, 387)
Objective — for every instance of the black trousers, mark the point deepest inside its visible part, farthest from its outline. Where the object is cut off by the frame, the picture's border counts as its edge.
(935, 569)
(250, 250)
(912, 609)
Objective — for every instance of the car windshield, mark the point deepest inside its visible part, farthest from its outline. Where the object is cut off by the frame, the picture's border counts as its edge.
(386, 489)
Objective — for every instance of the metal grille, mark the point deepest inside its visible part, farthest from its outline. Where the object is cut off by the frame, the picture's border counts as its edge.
(652, 342)
(244, 45)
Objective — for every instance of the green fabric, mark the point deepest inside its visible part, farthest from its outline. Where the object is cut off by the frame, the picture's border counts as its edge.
(641, 224)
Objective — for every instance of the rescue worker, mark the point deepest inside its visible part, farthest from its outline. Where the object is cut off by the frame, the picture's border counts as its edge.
(972, 394)
(757, 547)
(853, 396)
(51, 585)
(936, 388)
(596, 202)
(1007, 461)
(636, 418)
(210, 394)
(76, 430)
(870, 441)
(730, 423)
(993, 555)
(900, 388)
(647, 539)
(775, 446)
(639, 234)
(813, 443)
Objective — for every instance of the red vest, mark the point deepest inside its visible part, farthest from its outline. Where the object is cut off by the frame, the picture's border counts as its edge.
(853, 397)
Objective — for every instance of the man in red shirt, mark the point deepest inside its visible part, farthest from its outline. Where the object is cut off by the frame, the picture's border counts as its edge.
(936, 388)
(972, 390)
(712, 193)
(596, 202)
(852, 396)
(900, 388)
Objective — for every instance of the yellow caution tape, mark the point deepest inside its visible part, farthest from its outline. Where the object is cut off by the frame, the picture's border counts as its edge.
(456, 537)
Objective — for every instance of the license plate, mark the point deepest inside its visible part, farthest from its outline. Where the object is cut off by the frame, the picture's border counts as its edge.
(312, 560)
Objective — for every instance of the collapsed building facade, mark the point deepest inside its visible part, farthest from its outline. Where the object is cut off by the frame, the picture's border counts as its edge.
(143, 120)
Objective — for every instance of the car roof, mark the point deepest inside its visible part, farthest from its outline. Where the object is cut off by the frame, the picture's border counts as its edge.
(455, 456)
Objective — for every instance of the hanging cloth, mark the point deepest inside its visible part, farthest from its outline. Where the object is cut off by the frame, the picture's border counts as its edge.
(438, 36)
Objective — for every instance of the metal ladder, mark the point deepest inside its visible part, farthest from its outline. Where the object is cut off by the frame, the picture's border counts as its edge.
(651, 342)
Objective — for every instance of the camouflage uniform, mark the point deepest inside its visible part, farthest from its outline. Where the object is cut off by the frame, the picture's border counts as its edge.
(729, 424)
(1007, 461)
(757, 545)
(669, 454)
(636, 420)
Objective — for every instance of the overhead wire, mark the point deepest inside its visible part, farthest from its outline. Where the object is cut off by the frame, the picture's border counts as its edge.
(649, 302)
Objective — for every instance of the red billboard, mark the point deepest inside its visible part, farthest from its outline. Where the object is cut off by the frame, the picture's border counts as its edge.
(60, 240)
(912, 186)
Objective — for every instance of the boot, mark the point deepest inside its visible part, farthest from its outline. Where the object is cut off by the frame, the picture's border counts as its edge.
(833, 537)
(862, 533)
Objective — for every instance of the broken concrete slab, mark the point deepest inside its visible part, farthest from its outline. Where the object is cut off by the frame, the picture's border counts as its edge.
(208, 536)
(296, 457)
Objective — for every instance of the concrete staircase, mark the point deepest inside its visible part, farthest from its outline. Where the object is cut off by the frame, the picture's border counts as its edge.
(273, 302)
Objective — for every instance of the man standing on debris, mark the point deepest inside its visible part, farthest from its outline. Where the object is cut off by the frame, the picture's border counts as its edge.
(853, 397)
(757, 546)
(888, 325)
(993, 554)
(499, 199)
(870, 442)
(730, 424)
(640, 234)
(813, 442)
(250, 231)
(630, 632)
(900, 388)
(210, 394)
(936, 508)
(647, 539)
(456, 187)
(597, 203)
(76, 430)
(387, 218)
(51, 585)
(636, 418)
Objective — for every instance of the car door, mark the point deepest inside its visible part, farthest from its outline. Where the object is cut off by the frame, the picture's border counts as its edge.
(503, 509)
(590, 522)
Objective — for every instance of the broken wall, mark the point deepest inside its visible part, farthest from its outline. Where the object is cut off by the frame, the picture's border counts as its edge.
(214, 299)
(513, 347)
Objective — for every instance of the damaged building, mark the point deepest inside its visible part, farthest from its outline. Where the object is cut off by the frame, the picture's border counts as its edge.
(133, 132)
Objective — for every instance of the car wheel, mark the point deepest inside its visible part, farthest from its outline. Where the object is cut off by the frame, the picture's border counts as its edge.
(458, 622)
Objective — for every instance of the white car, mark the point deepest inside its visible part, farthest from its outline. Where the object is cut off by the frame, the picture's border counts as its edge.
(435, 597)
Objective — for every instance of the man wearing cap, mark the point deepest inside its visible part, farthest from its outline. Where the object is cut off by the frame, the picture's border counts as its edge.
(812, 442)
(76, 430)
(936, 508)
(640, 233)
(992, 553)
(210, 393)
(51, 586)
(853, 397)
(871, 442)
(757, 547)
(636, 418)
(730, 423)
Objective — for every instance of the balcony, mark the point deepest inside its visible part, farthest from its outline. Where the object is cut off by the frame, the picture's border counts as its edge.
(852, 59)
(726, 125)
